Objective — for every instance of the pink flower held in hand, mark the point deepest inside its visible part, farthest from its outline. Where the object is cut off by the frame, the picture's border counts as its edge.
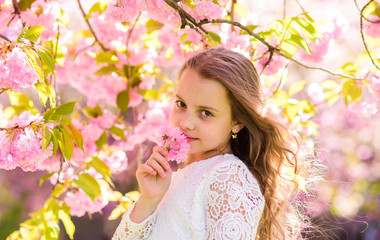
(175, 142)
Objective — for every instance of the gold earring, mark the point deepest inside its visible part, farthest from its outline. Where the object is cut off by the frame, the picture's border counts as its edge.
(234, 134)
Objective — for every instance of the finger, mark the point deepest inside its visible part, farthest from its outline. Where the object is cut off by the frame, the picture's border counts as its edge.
(164, 152)
(161, 160)
(157, 167)
(145, 168)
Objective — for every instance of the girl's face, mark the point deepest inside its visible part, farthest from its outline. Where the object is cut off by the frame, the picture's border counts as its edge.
(202, 111)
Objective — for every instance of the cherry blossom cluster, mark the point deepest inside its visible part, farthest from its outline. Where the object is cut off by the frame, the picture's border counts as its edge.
(21, 143)
(175, 142)
(15, 71)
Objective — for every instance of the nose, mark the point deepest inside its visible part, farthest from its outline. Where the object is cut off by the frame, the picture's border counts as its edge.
(187, 122)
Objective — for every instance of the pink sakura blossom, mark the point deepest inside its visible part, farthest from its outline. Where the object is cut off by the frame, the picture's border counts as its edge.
(45, 14)
(15, 71)
(315, 92)
(80, 203)
(107, 31)
(117, 161)
(372, 29)
(234, 40)
(374, 83)
(148, 128)
(318, 49)
(363, 108)
(122, 11)
(175, 142)
(162, 12)
(275, 64)
(206, 10)
(104, 121)
(22, 146)
(103, 89)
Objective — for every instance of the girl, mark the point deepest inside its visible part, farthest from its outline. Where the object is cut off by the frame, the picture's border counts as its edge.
(228, 187)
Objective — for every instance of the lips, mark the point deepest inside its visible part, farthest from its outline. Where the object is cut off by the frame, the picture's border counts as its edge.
(189, 139)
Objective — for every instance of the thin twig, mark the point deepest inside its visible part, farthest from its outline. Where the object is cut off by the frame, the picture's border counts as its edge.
(127, 45)
(89, 26)
(5, 38)
(267, 62)
(185, 16)
(363, 38)
(84, 49)
(299, 4)
(361, 14)
(284, 10)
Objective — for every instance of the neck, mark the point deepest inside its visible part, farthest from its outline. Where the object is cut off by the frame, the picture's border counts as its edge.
(195, 157)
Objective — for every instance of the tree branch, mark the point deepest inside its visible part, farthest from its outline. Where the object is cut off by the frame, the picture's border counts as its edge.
(89, 26)
(363, 38)
(185, 16)
(5, 38)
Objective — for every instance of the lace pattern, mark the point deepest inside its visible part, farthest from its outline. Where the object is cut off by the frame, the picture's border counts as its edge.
(128, 230)
(216, 198)
(235, 203)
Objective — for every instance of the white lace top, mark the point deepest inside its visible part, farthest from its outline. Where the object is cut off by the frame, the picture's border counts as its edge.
(216, 198)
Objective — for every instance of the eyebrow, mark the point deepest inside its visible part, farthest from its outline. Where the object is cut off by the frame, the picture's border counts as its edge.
(201, 106)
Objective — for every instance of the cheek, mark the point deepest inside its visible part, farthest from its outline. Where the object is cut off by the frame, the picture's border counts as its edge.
(174, 118)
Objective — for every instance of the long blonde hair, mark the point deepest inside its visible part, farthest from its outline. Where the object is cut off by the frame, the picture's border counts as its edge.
(260, 144)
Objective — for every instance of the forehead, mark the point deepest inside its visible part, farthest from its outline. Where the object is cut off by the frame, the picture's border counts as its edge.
(200, 91)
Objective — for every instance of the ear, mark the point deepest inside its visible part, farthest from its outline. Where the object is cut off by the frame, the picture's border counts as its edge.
(237, 127)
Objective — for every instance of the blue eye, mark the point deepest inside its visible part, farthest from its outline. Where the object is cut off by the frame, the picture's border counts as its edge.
(180, 104)
(206, 113)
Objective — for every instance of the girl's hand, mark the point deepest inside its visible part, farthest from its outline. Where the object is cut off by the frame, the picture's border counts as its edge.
(154, 175)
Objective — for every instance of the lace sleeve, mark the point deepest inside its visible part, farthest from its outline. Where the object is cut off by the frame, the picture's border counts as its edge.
(128, 230)
(234, 203)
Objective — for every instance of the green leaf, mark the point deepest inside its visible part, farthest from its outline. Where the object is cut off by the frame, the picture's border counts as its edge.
(296, 87)
(34, 33)
(153, 25)
(377, 10)
(20, 100)
(351, 92)
(150, 94)
(189, 3)
(289, 47)
(22, 34)
(102, 140)
(183, 37)
(46, 177)
(65, 109)
(307, 26)
(350, 68)
(68, 145)
(58, 190)
(64, 215)
(33, 60)
(106, 57)
(89, 185)
(49, 113)
(75, 134)
(55, 144)
(107, 70)
(250, 27)
(215, 37)
(92, 112)
(25, 4)
(42, 93)
(46, 137)
(122, 100)
(100, 7)
(118, 132)
(101, 168)
(47, 58)
(301, 42)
